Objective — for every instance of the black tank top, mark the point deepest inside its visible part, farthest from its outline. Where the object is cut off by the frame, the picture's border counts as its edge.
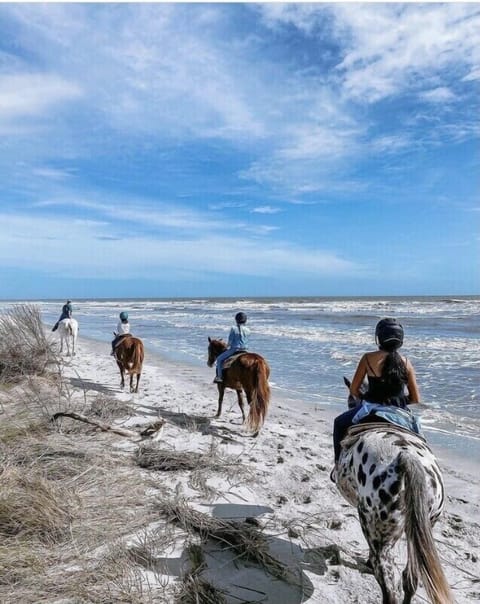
(384, 394)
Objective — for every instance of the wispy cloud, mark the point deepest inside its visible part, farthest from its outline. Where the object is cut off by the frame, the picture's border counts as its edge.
(220, 127)
(442, 94)
(70, 247)
(265, 210)
(24, 95)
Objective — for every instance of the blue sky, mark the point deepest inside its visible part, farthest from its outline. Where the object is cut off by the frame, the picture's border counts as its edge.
(239, 150)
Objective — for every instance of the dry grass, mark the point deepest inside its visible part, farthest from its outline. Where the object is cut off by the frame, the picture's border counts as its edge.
(107, 408)
(194, 589)
(152, 457)
(247, 541)
(32, 506)
(68, 501)
(24, 347)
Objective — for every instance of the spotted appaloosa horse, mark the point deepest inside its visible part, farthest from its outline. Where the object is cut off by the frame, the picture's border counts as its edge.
(248, 372)
(129, 354)
(391, 476)
(68, 331)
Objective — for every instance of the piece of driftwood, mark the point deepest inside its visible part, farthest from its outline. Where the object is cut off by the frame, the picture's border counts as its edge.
(148, 431)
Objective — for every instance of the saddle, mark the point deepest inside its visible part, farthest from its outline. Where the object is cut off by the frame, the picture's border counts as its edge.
(354, 433)
(387, 414)
(228, 362)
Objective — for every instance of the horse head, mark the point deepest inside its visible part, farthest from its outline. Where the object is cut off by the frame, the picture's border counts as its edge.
(215, 347)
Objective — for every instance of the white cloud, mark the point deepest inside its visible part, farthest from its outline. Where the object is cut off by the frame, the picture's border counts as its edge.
(86, 248)
(24, 95)
(51, 173)
(392, 45)
(155, 74)
(387, 47)
(473, 75)
(265, 210)
(442, 94)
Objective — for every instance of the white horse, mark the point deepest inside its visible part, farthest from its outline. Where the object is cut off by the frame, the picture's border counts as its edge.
(393, 479)
(68, 330)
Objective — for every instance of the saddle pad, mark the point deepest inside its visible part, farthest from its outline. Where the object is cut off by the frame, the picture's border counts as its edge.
(355, 432)
(232, 359)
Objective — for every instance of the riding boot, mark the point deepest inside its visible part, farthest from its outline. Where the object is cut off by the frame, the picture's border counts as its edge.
(55, 327)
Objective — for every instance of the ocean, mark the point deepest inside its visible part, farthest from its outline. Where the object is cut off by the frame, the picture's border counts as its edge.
(311, 343)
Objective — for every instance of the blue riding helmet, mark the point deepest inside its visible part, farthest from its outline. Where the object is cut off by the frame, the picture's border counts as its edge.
(124, 316)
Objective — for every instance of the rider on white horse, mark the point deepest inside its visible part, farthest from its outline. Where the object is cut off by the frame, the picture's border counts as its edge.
(67, 311)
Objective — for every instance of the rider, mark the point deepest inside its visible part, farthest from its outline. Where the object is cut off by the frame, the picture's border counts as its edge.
(391, 378)
(123, 329)
(237, 342)
(67, 311)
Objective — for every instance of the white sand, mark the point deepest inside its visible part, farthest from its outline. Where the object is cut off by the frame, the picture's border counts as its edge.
(283, 481)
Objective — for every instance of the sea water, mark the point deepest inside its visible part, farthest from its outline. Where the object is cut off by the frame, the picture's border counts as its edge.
(311, 343)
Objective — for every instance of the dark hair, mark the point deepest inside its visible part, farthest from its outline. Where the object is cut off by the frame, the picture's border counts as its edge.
(394, 370)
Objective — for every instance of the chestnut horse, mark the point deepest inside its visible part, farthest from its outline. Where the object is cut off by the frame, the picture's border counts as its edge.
(248, 372)
(129, 354)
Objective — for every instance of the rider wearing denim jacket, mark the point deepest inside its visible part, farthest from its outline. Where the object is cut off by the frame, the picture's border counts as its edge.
(237, 342)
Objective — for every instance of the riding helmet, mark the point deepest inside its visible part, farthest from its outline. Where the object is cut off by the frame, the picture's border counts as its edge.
(389, 331)
(241, 318)
(124, 316)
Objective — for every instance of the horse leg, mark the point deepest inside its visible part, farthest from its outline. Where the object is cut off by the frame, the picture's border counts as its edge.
(122, 379)
(385, 574)
(221, 392)
(380, 557)
(131, 383)
(138, 380)
(241, 404)
(410, 584)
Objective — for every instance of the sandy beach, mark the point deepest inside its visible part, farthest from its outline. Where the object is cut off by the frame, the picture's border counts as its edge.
(280, 483)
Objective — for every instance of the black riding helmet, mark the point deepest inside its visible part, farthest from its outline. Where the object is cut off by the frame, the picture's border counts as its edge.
(241, 318)
(389, 332)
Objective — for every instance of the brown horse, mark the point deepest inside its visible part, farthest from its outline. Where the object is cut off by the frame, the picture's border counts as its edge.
(248, 372)
(129, 354)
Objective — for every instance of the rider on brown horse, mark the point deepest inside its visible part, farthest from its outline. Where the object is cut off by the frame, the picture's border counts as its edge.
(123, 329)
(237, 342)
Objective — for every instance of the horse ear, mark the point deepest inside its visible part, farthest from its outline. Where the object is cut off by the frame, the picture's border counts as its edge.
(209, 339)
(347, 382)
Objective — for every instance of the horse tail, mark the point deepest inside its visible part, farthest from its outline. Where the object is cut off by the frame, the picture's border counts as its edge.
(423, 558)
(70, 329)
(260, 395)
(136, 360)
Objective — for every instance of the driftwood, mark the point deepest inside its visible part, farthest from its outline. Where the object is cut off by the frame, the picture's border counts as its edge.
(149, 431)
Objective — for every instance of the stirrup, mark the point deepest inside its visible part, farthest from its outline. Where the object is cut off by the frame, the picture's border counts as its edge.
(217, 380)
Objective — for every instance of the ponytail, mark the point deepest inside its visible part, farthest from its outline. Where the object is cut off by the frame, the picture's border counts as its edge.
(394, 370)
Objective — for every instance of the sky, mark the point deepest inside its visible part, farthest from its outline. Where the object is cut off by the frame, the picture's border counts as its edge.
(194, 150)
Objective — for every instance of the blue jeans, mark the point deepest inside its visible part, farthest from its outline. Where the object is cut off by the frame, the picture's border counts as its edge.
(225, 355)
(340, 426)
